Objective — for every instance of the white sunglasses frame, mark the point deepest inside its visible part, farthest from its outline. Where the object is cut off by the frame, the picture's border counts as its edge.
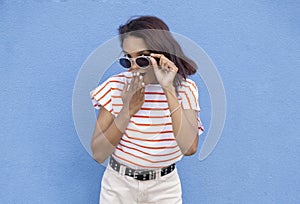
(131, 59)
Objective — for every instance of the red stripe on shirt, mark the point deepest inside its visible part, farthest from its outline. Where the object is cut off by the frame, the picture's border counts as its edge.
(193, 84)
(117, 89)
(166, 160)
(149, 153)
(94, 94)
(147, 140)
(192, 93)
(143, 116)
(144, 124)
(148, 147)
(143, 132)
(107, 102)
(103, 95)
(156, 101)
(189, 102)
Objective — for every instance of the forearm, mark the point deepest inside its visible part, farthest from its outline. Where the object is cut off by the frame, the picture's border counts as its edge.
(185, 129)
(104, 143)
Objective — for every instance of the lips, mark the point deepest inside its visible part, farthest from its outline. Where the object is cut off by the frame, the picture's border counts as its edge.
(141, 73)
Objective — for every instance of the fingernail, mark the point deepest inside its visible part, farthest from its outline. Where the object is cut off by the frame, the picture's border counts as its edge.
(141, 77)
(143, 84)
(138, 74)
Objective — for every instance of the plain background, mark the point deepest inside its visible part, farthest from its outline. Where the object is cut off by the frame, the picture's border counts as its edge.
(254, 44)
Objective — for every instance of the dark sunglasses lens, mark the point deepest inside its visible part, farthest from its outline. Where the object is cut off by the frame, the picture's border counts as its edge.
(142, 62)
(125, 62)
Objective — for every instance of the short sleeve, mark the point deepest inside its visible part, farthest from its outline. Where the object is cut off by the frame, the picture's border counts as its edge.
(101, 96)
(188, 93)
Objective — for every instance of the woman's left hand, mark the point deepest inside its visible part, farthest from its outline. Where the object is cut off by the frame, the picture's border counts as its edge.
(165, 72)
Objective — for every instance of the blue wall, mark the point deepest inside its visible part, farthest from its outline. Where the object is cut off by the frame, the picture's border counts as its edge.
(255, 46)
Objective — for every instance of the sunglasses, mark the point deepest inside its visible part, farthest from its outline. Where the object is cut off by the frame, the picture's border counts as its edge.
(142, 62)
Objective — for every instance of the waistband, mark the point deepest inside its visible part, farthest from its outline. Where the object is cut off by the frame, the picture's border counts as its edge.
(142, 175)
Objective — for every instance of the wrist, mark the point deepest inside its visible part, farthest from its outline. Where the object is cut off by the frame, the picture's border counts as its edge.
(122, 120)
(125, 113)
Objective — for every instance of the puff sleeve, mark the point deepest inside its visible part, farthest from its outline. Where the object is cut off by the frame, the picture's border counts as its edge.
(101, 96)
(188, 95)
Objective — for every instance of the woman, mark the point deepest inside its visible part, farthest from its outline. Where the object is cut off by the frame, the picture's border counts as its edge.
(148, 117)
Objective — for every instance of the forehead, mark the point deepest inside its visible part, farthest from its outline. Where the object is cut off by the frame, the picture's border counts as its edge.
(132, 44)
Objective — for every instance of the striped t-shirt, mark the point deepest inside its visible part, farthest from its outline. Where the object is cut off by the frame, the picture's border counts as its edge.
(148, 141)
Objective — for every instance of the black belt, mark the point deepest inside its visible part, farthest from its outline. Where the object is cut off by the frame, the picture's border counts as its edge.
(142, 175)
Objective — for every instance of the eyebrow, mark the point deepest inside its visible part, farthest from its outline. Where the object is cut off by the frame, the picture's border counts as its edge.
(139, 52)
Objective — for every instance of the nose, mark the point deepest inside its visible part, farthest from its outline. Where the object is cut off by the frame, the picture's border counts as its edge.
(133, 65)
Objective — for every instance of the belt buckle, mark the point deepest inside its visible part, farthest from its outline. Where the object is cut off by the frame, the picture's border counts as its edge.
(152, 175)
(142, 175)
(136, 173)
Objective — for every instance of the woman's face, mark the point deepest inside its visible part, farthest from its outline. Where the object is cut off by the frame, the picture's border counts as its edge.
(134, 47)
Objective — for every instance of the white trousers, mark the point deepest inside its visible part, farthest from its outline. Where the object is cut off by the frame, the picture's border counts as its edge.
(121, 189)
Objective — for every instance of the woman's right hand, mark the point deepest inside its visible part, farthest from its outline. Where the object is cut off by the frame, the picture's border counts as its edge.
(133, 94)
